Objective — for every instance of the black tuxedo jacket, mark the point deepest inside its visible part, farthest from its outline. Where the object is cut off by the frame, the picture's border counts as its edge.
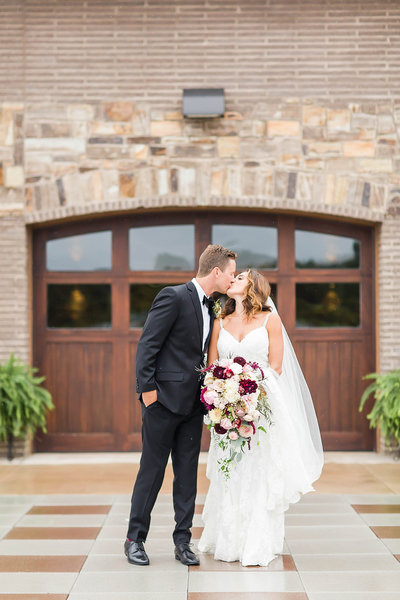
(170, 349)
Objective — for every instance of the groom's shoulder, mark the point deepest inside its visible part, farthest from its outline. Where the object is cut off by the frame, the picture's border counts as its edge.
(172, 292)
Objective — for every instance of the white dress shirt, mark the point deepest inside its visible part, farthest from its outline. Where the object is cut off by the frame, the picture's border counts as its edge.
(204, 309)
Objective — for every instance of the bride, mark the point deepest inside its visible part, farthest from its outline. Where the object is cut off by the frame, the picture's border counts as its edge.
(244, 515)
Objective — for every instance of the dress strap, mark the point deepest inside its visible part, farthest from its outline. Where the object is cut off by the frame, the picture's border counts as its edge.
(220, 322)
(266, 318)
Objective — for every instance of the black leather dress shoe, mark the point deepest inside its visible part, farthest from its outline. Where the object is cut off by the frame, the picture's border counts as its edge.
(185, 555)
(135, 553)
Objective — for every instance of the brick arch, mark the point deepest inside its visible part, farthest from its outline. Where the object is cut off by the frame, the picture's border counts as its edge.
(350, 212)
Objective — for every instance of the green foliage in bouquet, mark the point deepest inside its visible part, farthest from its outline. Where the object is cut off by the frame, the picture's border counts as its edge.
(386, 411)
(23, 402)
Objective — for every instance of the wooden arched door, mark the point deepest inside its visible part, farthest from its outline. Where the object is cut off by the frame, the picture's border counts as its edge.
(95, 280)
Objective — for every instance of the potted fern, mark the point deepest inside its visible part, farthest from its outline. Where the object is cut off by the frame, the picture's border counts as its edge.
(23, 402)
(386, 410)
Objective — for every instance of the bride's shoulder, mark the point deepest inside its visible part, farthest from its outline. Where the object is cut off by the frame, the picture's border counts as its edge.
(274, 321)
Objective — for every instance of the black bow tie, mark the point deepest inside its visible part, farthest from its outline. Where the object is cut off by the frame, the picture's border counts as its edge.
(209, 302)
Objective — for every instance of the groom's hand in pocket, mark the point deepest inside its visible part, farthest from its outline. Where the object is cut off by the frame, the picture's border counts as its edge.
(149, 397)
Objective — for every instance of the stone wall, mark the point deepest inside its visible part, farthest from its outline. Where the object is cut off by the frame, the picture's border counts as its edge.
(295, 154)
(63, 160)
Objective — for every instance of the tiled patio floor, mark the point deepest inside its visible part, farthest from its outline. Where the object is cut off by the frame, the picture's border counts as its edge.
(62, 532)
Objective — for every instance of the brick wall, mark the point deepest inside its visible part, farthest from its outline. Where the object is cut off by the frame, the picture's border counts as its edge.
(14, 328)
(151, 49)
(388, 276)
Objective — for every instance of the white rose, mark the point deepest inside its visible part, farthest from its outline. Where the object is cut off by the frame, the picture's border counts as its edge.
(236, 368)
(231, 393)
(208, 379)
(218, 385)
(215, 415)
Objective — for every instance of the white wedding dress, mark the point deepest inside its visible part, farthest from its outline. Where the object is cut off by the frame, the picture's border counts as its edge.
(244, 515)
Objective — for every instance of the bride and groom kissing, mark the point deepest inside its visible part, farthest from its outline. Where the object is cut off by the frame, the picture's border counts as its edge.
(244, 516)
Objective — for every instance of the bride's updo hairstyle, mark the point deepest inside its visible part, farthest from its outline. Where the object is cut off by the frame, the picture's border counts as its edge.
(255, 296)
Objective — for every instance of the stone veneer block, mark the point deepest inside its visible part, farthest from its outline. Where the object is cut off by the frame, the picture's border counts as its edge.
(324, 148)
(139, 151)
(127, 185)
(217, 182)
(283, 128)
(359, 149)
(162, 128)
(187, 182)
(80, 112)
(329, 189)
(76, 145)
(338, 120)
(386, 124)
(118, 111)
(109, 128)
(341, 190)
(314, 115)
(228, 146)
(14, 177)
(375, 165)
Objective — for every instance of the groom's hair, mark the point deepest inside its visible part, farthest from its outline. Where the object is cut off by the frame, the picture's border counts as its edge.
(214, 256)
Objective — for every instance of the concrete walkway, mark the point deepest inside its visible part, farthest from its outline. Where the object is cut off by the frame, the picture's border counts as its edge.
(63, 519)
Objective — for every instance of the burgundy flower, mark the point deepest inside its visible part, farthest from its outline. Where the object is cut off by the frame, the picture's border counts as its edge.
(228, 373)
(247, 386)
(219, 429)
(239, 360)
(208, 406)
(255, 366)
(219, 372)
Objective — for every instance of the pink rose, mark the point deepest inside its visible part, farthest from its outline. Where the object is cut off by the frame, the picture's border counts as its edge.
(226, 424)
(240, 412)
(233, 435)
(210, 396)
(245, 431)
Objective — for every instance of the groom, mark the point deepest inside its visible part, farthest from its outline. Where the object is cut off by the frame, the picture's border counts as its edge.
(174, 339)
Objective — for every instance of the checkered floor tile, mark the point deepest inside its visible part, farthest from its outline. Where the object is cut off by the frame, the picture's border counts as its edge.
(59, 547)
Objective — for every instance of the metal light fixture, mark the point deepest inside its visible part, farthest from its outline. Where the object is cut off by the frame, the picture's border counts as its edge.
(203, 103)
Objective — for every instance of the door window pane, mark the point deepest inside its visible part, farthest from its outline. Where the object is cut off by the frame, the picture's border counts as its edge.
(327, 304)
(86, 305)
(87, 252)
(141, 299)
(324, 251)
(162, 248)
(256, 246)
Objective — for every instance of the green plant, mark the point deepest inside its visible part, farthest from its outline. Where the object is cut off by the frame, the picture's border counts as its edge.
(386, 410)
(23, 402)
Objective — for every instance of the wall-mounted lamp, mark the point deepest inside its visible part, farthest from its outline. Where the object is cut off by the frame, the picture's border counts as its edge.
(203, 103)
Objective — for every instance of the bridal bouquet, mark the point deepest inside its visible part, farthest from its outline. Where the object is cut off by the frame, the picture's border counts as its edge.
(235, 398)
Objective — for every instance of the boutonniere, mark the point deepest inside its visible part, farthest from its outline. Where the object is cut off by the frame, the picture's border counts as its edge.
(217, 309)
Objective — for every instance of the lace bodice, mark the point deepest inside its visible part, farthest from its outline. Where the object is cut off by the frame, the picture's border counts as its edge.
(253, 347)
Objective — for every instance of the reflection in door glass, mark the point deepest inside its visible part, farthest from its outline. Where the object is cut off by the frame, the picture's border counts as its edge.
(162, 248)
(141, 299)
(256, 246)
(327, 304)
(325, 251)
(79, 305)
(87, 252)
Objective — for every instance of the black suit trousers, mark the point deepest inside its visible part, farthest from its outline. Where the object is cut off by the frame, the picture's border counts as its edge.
(165, 433)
